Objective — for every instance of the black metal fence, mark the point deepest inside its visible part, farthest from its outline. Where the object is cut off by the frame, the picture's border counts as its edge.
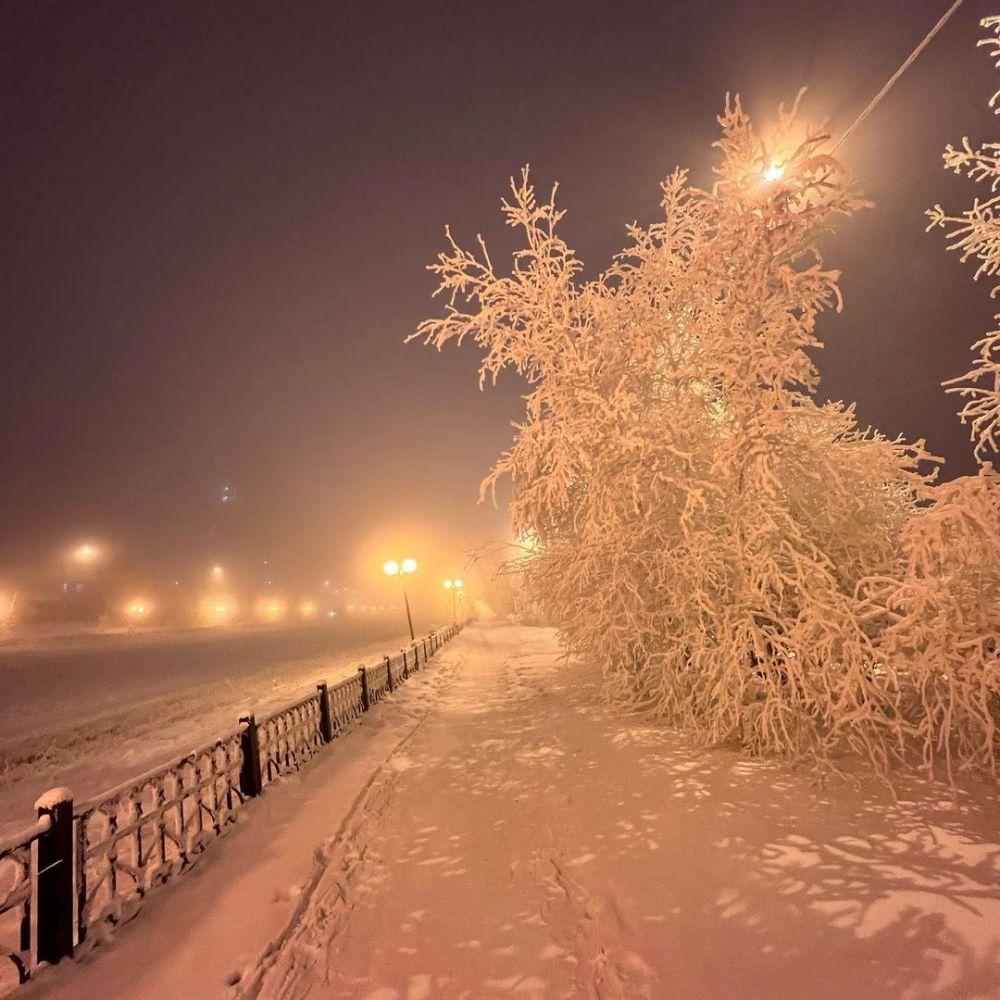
(82, 866)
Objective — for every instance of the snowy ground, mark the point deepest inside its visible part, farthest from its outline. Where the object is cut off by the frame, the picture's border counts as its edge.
(491, 832)
(90, 712)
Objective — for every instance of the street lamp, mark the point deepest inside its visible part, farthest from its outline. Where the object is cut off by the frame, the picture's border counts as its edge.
(85, 554)
(454, 586)
(400, 569)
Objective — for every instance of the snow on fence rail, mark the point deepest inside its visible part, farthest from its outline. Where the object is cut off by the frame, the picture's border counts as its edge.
(81, 867)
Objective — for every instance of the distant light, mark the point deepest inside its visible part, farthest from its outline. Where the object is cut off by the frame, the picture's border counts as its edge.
(307, 609)
(331, 614)
(448, 584)
(177, 583)
(458, 584)
(774, 173)
(217, 609)
(326, 583)
(137, 609)
(391, 568)
(85, 554)
(218, 572)
(409, 565)
(271, 609)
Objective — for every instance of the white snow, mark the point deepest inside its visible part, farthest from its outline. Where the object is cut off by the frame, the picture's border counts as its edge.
(481, 868)
(94, 717)
(53, 797)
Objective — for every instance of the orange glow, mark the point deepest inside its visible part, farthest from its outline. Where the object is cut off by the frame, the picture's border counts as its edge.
(218, 573)
(217, 609)
(137, 609)
(307, 609)
(271, 609)
(774, 173)
(85, 554)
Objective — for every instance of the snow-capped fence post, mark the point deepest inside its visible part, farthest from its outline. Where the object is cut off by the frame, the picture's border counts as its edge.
(416, 657)
(406, 667)
(325, 721)
(251, 779)
(365, 696)
(388, 674)
(54, 899)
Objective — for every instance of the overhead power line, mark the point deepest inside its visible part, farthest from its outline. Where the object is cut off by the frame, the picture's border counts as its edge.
(909, 61)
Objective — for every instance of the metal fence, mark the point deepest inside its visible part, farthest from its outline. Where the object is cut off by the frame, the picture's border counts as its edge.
(82, 866)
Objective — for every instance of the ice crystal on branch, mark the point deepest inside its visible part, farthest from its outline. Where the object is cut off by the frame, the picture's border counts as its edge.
(701, 525)
(976, 234)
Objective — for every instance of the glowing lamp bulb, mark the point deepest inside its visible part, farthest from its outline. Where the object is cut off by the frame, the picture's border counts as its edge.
(774, 173)
(391, 568)
(448, 584)
(85, 553)
(137, 609)
(409, 565)
(458, 584)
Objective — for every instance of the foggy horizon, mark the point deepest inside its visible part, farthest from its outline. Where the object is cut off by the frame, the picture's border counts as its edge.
(219, 219)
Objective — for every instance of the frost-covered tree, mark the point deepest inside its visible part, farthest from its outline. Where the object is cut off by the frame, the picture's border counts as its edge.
(943, 610)
(700, 525)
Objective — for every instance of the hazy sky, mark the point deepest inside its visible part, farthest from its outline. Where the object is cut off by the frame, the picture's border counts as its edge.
(216, 217)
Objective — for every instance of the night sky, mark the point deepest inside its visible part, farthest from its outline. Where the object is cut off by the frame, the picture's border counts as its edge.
(216, 218)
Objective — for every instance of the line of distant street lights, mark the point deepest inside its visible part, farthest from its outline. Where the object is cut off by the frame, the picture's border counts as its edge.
(219, 607)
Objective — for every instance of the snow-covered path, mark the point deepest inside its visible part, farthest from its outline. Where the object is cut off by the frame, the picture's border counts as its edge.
(490, 832)
(527, 844)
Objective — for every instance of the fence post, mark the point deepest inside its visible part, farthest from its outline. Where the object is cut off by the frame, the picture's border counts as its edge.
(388, 674)
(325, 722)
(54, 899)
(406, 667)
(251, 779)
(365, 698)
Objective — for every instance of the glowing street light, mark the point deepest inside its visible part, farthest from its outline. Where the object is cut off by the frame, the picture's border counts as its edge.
(85, 554)
(271, 609)
(137, 609)
(218, 574)
(217, 609)
(774, 172)
(400, 569)
(455, 587)
(307, 610)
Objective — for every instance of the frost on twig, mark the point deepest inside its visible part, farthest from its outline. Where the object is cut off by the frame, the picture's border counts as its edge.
(975, 233)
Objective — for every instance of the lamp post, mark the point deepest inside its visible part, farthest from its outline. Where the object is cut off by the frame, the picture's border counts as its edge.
(454, 586)
(400, 569)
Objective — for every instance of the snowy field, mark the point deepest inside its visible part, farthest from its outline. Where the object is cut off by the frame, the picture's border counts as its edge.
(490, 831)
(92, 711)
